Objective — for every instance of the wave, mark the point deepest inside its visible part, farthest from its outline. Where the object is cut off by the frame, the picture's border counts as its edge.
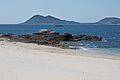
(108, 51)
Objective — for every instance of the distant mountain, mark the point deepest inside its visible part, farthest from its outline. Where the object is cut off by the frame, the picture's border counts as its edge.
(112, 20)
(38, 19)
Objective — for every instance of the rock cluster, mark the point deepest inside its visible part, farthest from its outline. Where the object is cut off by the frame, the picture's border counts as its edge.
(48, 37)
(85, 37)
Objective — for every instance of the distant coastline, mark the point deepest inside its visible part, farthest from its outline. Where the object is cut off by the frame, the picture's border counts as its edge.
(50, 20)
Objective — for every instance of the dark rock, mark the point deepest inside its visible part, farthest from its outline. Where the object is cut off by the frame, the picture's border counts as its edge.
(48, 37)
(9, 35)
(85, 37)
(65, 37)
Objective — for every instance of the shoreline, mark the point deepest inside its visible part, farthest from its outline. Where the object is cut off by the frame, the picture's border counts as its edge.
(29, 61)
(58, 50)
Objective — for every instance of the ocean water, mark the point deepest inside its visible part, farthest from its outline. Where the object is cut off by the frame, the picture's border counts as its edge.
(108, 32)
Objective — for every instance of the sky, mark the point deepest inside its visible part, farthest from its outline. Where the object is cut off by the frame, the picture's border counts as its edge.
(84, 11)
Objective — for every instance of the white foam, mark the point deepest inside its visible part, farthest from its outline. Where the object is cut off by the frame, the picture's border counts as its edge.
(104, 40)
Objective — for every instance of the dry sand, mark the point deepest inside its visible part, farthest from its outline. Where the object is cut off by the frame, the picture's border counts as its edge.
(23, 61)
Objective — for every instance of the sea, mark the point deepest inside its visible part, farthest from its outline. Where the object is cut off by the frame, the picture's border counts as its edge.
(111, 34)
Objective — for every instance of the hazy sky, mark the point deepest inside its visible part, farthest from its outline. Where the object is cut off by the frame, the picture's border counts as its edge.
(17, 11)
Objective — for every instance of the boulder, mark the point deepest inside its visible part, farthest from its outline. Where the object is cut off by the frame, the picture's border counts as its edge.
(54, 32)
(85, 37)
(65, 37)
(46, 31)
(7, 35)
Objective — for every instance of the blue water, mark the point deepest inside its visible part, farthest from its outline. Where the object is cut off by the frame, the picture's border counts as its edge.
(108, 32)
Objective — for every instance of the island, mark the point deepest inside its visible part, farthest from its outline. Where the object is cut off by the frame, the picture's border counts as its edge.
(109, 20)
(50, 20)
(47, 20)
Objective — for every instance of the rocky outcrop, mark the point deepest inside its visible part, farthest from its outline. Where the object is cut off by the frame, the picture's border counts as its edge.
(48, 37)
(65, 37)
(85, 37)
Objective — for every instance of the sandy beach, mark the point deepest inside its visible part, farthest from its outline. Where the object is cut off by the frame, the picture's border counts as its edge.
(27, 61)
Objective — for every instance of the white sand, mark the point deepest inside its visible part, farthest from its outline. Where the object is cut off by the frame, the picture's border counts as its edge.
(23, 61)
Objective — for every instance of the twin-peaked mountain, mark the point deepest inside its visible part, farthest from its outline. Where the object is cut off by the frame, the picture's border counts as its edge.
(38, 19)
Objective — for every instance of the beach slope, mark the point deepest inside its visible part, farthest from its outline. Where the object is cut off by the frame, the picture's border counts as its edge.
(23, 61)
